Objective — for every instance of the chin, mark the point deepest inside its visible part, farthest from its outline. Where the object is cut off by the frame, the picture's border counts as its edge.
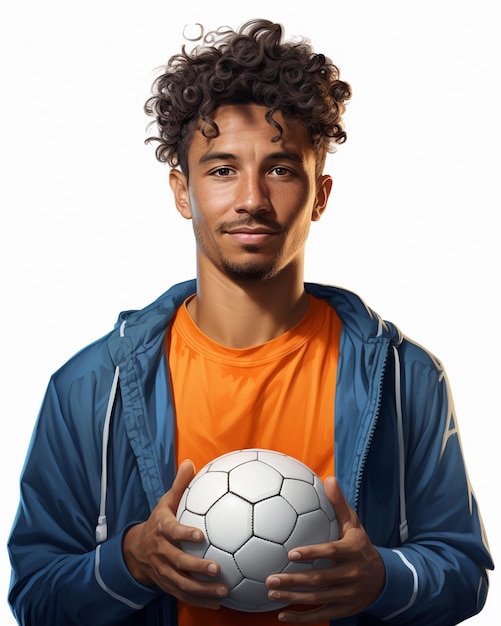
(250, 271)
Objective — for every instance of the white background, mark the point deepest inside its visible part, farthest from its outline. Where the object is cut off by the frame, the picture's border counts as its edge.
(88, 226)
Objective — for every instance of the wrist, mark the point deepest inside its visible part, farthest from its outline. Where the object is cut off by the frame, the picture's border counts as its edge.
(130, 543)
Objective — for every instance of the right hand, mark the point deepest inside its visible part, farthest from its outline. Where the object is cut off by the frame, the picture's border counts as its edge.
(153, 555)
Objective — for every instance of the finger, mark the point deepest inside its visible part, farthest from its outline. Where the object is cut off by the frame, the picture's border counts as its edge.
(195, 565)
(313, 616)
(314, 586)
(345, 515)
(193, 583)
(321, 578)
(183, 477)
(310, 598)
(192, 591)
(326, 551)
(178, 533)
(185, 473)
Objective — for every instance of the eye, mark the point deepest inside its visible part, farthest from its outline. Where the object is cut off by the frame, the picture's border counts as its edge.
(280, 170)
(221, 172)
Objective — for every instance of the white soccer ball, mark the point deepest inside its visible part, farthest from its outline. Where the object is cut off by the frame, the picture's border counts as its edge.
(253, 506)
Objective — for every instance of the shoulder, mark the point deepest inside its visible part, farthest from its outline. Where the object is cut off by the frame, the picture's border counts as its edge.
(137, 333)
(363, 326)
(358, 319)
(134, 328)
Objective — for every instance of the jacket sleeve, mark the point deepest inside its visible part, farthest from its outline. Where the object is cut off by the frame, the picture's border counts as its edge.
(59, 577)
(439, 573)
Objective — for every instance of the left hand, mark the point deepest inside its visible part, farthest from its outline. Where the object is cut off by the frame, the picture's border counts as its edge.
(347, 587)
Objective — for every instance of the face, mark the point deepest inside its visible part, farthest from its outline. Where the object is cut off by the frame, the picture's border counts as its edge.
(251, 200)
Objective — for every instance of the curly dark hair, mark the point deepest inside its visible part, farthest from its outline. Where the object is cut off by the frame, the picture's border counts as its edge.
(250, 66)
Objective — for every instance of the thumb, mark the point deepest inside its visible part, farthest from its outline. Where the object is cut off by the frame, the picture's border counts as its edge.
(346, 516)
(183, 477)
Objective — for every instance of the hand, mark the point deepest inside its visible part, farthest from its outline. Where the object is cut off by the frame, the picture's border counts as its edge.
(353, 581)
(152, 554)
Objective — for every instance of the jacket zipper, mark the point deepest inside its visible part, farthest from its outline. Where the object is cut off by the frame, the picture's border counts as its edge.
(371, 434)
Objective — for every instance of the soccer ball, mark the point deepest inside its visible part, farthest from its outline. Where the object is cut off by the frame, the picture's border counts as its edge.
(253, 506)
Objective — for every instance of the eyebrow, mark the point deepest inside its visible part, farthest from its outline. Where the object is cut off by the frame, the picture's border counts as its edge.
(229, 156)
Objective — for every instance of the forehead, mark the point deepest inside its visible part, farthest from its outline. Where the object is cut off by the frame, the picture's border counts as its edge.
(244, 127)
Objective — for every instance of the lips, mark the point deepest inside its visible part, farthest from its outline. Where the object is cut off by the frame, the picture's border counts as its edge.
(250, 231)
(246, 230)
(251, 234)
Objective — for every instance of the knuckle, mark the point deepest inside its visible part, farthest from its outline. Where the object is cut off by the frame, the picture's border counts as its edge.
(167, 528)
(317, 578)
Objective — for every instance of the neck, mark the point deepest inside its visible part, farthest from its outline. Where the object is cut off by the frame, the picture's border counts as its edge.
(247, 313)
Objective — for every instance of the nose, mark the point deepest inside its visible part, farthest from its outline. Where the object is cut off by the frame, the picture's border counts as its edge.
(253, 195)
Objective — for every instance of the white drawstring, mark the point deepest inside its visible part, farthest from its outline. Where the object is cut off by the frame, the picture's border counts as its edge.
(102, 526)
(404, 527)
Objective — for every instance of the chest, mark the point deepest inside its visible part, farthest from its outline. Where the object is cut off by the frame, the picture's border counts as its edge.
(281, 399)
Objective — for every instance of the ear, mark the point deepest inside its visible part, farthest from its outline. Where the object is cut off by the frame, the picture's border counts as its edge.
(179, 186)
(324, 187)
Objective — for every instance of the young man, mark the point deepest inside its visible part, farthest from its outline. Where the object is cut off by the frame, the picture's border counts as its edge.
(247, 356)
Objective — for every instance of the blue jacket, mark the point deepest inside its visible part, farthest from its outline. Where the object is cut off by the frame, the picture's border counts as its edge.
(398, 460)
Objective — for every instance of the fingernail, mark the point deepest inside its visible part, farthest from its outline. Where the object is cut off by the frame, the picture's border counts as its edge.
(274, 595)
(273, 581)
(212, 569)
(294, 556)
(221, 591)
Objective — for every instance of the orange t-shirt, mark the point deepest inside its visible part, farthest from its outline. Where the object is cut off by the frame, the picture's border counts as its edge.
(279, 395)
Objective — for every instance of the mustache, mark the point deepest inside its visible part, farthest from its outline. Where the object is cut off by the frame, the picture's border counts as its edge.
(249, 222)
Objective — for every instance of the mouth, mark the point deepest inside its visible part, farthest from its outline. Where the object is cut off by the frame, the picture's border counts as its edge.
(251, 235)
(250, 232)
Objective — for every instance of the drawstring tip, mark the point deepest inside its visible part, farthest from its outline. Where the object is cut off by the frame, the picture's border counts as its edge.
(404, 532)
(101, 529)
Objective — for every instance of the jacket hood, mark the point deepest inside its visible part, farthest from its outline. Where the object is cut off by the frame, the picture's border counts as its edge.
(144, 327)
(356, 316)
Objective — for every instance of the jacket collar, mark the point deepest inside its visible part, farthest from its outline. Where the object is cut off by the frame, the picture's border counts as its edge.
(136, 331)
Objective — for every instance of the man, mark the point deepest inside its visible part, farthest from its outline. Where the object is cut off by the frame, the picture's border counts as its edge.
(247, 356)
